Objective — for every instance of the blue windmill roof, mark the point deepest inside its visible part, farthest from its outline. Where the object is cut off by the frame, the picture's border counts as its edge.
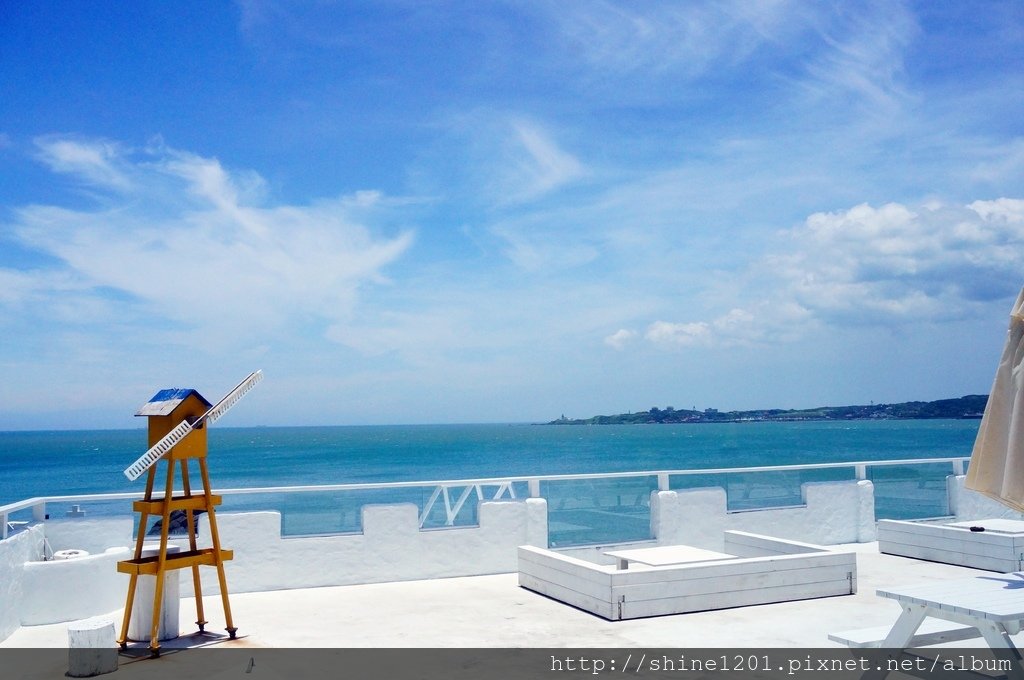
(165, 401)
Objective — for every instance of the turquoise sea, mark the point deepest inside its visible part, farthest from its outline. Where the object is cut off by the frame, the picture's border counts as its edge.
(79, 462)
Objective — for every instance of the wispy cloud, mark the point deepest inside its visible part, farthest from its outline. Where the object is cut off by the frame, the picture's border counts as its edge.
(202, 254)
(1002, 162)
(544, 166)
(688, 38)
(544, 252)
(514, 160)
(93, 161)
(864, 61)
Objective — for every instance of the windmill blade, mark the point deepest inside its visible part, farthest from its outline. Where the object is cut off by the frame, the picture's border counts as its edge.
(181, 430)
(154, 454)
(231, 398)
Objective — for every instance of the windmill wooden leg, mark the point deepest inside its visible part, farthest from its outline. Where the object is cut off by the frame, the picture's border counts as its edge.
(154, 631)
(197, 581)
(218, 558)
(133, 579)
(158, 594)
(123, 639)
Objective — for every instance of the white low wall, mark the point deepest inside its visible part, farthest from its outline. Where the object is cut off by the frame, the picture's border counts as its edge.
(92, 534)
(833, 512)
(390, 548)
(66, 590)
(965, 504)
(15, 551)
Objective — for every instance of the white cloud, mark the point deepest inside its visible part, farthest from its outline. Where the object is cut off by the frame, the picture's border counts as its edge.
(545, 166)
(183, 241)
(897, 263)
(96, 162)
(620, 338)
(690, 38)
(886, 266)
(506, 160)
(864, 60)
(1003, 161)
(682, 334)
(544, 252)
(526, 163)
(1009, 210)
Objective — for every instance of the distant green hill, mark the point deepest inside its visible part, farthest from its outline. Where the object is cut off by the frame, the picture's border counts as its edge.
(970, 406)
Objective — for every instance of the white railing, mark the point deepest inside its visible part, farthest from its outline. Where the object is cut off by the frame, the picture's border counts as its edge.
(465, 488)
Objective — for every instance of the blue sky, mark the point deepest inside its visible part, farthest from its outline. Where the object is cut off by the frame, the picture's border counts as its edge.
(419, 212)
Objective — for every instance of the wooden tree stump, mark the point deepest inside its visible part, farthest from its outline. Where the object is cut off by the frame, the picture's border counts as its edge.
(91, 648)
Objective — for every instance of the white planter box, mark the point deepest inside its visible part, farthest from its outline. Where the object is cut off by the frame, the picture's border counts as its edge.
(999, 548)
(764, 570)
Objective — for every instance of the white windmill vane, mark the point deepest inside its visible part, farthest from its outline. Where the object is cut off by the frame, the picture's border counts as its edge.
(157, 451)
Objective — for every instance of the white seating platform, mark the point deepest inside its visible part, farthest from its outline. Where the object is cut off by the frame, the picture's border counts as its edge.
(761, 570)
(999, 547)
(931, 632)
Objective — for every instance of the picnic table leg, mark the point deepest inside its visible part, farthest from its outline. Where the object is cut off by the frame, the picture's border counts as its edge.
(902, 632)
(998, 638)
(899, 637)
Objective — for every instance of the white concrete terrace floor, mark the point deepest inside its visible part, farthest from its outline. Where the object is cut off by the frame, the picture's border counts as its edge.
(493, 611)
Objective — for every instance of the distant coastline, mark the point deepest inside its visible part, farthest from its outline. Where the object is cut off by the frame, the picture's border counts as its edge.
(970, 406)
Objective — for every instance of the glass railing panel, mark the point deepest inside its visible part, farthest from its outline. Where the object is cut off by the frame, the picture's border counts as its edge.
(696, 481)
(592, 511)
(910, 491)
(779, 488)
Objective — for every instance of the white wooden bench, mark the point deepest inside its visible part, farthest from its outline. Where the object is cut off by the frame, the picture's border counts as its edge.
(931, 632)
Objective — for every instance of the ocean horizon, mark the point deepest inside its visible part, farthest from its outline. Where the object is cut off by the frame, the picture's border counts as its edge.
(68, 462)
(81, 462)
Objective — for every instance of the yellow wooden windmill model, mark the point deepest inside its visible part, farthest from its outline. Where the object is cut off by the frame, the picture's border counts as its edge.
(177, 434)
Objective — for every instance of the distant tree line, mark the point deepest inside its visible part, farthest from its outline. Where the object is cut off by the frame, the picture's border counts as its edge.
(970, 406)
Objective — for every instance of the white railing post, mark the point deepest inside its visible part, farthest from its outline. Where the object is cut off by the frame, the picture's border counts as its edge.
(663, 484)
(39, 511)
(958, 467)
(3, 525)
(862, 471)
(534, 486)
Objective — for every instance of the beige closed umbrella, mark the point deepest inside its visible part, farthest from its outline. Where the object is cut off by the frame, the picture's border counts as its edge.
(997, 462)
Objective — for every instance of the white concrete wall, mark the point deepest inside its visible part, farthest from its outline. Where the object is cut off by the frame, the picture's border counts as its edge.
(965, 504)
(15, 551)
(833, 512)
(66, 590)
(92, 534)
(390, 548)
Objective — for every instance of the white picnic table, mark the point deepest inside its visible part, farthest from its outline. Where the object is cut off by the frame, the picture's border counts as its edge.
(990, 607)
(666, 555)
(992, 604)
